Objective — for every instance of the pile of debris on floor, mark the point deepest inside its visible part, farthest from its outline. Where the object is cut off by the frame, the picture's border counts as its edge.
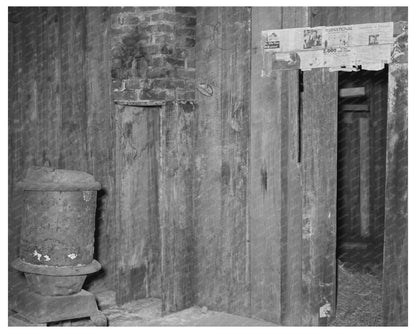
(359, 296)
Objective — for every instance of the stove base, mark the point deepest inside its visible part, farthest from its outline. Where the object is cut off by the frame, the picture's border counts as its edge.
(45, 309)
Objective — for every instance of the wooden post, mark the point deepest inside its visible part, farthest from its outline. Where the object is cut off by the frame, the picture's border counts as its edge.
(319, 181)
(395, 228)
(275, 188)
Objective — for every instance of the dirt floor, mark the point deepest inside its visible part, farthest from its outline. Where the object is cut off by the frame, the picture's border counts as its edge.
(359, 295)
(358, 304)
(147, 312)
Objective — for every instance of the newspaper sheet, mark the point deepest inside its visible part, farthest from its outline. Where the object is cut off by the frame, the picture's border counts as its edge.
(336, 47)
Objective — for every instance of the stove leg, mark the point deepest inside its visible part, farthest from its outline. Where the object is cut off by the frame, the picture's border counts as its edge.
(99, 319)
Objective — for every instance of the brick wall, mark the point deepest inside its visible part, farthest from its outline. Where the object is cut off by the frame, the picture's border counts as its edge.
(153, 55)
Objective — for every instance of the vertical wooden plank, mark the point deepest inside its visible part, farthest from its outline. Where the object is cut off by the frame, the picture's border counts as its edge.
(265, 178)
(395, 288)
(176, 205)
(235, 106)
(207, 187)
(101, 136)
(364, 176)
(223, 53)
(378, 120)
(319, 151)
(275, 193)
(137, 138)
(291, 259)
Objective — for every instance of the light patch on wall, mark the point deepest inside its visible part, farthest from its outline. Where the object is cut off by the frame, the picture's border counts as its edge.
(72, 256)
(325, 310)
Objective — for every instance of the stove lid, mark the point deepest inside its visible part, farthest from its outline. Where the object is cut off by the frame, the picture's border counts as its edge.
(49, 179)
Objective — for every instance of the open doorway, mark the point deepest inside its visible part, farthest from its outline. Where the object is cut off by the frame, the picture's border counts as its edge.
(361, 166)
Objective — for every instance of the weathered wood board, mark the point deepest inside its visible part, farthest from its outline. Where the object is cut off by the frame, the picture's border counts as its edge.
(395, 267)
(319, 181)
(176, 167)
(137, 212)
(275, 193)
(221, 160)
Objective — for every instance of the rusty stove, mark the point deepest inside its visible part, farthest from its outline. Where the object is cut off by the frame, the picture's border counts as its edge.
(57, 246)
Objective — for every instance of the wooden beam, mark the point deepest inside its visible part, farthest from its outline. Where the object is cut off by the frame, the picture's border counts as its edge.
(354, 107)
(352, 92)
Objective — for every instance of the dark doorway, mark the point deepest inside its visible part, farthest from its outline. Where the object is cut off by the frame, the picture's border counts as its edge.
(362, 119)
(361, 165)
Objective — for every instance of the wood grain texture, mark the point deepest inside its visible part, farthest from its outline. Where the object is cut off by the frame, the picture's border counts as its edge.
(275, 193)
(101, 137)
(328, 16)
(395, 285)
(137, 201)
(176, 165)
(221, 161)
(319, 167)
(62, 113)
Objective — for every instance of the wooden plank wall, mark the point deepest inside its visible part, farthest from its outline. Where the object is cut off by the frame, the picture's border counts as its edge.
(137, 219)
(395, 270)
(60, 109)
(221, 160)
(275, 194)
(176, 165)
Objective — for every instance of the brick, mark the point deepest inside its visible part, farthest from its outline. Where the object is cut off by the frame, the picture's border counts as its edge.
(186, 10)
(190, 42)
(157, 73)
(147, 9)
(163, 39)
(117, 10)
(168, 84)
(152, 49)
(167, 17)
(158, 61)
(190, 64)
(190, 95)
(186, 32)
(159, 28)
(129, 95)
(189, 22)
(166, 49)
(153, 95)
(185, 74)
(134, 84)
(131, 20)
(175, 62)
(164, 17)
